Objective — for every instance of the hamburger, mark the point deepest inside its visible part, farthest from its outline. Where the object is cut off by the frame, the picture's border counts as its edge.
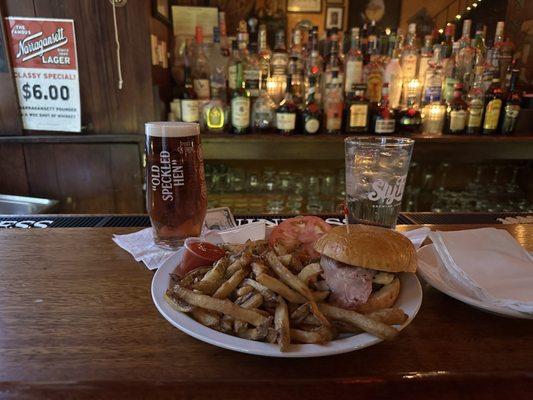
(361, 264)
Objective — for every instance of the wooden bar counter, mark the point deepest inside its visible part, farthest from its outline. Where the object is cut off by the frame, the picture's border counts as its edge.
(77, 321)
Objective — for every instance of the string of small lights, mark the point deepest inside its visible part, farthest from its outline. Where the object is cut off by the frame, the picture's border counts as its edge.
(458, 17)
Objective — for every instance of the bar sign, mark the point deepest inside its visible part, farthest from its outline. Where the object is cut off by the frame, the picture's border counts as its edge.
(45, 65)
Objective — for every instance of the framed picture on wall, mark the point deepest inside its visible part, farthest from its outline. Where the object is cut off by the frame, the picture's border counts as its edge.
(334, 18)
(304, 6)
(161, 10)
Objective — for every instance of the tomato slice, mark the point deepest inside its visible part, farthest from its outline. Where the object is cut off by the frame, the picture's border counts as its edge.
(300, 233)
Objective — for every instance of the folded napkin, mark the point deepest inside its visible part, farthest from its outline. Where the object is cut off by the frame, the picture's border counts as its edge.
(490, 263)
(142, 247)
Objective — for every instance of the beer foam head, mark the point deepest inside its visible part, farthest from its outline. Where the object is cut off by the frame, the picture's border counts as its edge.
(171, 129)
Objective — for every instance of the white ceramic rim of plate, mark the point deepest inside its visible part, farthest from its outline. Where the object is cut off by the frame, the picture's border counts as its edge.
(423, 263)
(189, 326)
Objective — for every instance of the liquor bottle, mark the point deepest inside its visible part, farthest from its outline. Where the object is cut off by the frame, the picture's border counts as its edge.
(447, 44)
(456, 112)
(475, 101)
(432, 91)
(233, 63)
(214, 115)
(504, 51)
(480, 50)
(356, 110)
(409, 57)
(218, 63)
(354, 62)
(286, 112)
(314, 66)
(189, 100)
(493, 108)
(333, 65)
(251, 67)
(426, 53)
(296, 49)
(224, 45)
(508, 75)
(512, 106)
(451, 75)
(333, 104)
(263, 111)
(393, 75)
(264, 56)
(279, 64)
(200, 73)
(373, 76)
(240, 106)
(466, 58)
(409, 118)
(297, 81)
(364, 43)
(372, 41)
(311, 115)
(383, 122)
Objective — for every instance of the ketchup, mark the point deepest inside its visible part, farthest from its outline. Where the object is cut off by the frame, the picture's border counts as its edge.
(199, 254)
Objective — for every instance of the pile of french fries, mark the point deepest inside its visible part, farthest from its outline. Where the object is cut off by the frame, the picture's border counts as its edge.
(261, 293)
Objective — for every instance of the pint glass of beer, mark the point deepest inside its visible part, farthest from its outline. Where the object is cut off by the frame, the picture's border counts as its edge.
(176, 196)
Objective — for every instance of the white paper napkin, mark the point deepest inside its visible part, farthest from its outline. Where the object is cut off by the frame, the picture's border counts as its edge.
(142, 247)
(490, 263)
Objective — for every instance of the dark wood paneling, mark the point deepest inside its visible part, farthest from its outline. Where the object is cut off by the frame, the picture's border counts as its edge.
(126, 177)
(12, 170)
(87, 178)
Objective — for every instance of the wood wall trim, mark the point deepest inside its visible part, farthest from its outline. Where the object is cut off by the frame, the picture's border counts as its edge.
(103, 138)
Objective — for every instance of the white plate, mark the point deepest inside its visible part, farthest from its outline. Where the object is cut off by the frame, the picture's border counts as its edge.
(409, 301)
(431, 269)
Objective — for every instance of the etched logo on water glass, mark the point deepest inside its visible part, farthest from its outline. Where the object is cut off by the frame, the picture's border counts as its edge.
(386, 192)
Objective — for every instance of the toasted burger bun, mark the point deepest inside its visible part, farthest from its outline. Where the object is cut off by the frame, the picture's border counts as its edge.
(369, 247)
(383, 298)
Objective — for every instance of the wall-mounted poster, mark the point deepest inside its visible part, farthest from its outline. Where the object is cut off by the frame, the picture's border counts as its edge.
(185, 19)
(386, 13)
(45, 65)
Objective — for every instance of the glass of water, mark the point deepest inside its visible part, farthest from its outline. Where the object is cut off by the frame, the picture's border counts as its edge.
(376, 171)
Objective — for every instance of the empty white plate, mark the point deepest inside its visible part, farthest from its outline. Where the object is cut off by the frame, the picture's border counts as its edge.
(431, 269)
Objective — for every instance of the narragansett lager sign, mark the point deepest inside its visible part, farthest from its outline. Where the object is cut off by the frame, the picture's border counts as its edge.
(45, 66)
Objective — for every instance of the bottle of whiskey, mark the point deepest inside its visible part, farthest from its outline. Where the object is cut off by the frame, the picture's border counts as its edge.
(333, 104)
(356, 110)
(214, 116)
(264, 56)
(251, 67)
(201, 69)
(240, 106)
(354, 62)
(189, 100)
(409, 57)
(233, 62)
(475, 100)
(512, 106)
(278, 65)
(383, 122)
(314, 66)
(286, 112)
(493, 108)
(263, 111)
(311, 115)
(409, 119)
(456, 112)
